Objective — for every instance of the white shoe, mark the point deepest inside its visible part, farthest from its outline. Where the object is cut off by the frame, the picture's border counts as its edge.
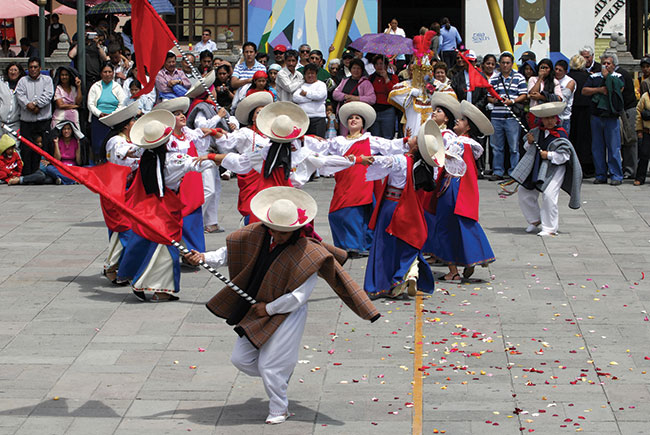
(277, 419)
(531, 227)
(545, 233)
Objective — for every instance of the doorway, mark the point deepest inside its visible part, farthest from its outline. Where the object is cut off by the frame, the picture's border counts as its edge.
(414, 14)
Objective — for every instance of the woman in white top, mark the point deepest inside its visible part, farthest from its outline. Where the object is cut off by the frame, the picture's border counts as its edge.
(311, 96)
(544, 87)
(568, 87)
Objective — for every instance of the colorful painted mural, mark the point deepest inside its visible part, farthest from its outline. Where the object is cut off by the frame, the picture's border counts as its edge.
(295, 22)
(531, 30)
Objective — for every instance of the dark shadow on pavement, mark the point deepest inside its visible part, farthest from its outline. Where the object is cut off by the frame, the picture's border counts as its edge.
(60, 408)
(92, 224)
(508, 230)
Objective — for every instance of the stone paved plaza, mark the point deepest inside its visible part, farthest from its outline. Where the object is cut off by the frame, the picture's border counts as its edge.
(552, 338)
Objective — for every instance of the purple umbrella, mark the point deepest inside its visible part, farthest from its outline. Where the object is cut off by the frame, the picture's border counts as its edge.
(383, 43)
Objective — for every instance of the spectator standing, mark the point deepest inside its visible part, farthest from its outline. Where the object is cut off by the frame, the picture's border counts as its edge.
(591, 66)
(95, 56)
(511, 87)
(289, 79)
(104, 97)
(543, 87)
(5, 50)
(311, 96)
(206, 62)
(145, 102)
(278, 54)
(243, 72)
(629, 143)
(272, 72)
(26, 48)
(187, 68)
(440, 74)
(170, 81)
(357, 87)
(382, 83)
(54, 31)
(644, 80)
(9, 107)
(67, 96)
(304, 51)
(121, 65)
(262, 58)
(225, 92)
(606, 91)
(643, 134)
(316, 58)
(568, 87)
(34, 93)
(399, 59)
(206, 43)
(450, 40)
(460, 84)
(489, 65)
(127, 37)
(580, 134)
(260, 84)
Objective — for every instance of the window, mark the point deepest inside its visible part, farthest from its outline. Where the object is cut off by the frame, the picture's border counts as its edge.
(193, 15)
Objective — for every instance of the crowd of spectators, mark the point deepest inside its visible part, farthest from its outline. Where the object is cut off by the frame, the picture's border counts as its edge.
(610, 135)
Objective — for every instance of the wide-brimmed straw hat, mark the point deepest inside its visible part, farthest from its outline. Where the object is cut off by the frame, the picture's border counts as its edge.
(430, 144)
(6, 142)
(444, 99)
(250, 103)
(173, 105)
(284, 208)
(360, 108)
(282, 121)
(153, 129)
(121, 115)
(471, 112)
(198, 89)
(548, 109)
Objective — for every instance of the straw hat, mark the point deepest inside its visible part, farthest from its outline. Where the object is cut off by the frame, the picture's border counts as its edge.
(179, 103)
(360, 108)
(548, 109)
(284, 208)
(6, 142)
(153, 129)
(250, 103)
(443, 99)
(471, 112)
(282, 121)
(430, 144)
(121, 115)
(198, 89)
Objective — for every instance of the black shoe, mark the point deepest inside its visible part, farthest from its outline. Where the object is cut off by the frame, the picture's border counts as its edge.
(600, 181)
(615, 183)
(363, 254)
(353, 253)
(375, 296)
(495, 177)
(140, 295)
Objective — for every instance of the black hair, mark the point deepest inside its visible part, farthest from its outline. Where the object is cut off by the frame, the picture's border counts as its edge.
(474, 131)
(204, 54)
(34, 59)
(21, 71)
(489, 56)
(563, 63)
(549, 85)
(377, 57)
(55, 15)
(126, 28)
(440, 65)
(357, 62)
(507, 54)
(317, 52)
(445, 22)
(107, 65)
(261, 55)
(24, 41)
(291, 53)
(135, 82)
(207, 30)
(248, 44)
(6, 42)
(451, 119)
(223, 66)
(169, 55)
(310, 67)
(250, 116)
(114, 48)
(114, 131)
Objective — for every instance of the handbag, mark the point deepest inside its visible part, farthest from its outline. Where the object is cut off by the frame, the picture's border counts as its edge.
(645, 115)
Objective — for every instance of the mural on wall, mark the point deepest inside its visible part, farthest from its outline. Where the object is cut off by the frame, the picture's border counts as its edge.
(531, 31)
(295, 22)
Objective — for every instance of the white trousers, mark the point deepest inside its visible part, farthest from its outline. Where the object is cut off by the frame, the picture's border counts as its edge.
(212, 193)
(115, 248)
(548, 215)
(275, 360)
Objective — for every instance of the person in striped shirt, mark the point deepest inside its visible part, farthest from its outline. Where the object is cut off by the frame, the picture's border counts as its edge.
(243, 72)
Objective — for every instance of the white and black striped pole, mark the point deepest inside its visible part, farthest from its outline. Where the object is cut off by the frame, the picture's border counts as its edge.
(214, 272)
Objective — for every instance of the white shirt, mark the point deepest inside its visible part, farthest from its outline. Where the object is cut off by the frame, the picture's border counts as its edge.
(314, 102)
(201, 46)
(201, 142)
(117, 148)
(340, 145)
(178, 164)
(284, 304)
(287, 83)
(393, 167)
(567, 95)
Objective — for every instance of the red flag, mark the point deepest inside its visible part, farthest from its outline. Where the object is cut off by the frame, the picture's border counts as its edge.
(156, 219)
(152, 39)
(477, 80)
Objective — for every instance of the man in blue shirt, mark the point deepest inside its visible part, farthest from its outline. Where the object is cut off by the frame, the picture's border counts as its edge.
(511, 87)
(243, 72)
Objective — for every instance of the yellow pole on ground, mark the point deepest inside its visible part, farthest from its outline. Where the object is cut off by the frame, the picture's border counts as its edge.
(343, 29)
(499, 26)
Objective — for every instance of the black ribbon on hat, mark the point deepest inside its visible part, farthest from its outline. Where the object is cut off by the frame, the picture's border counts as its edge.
(422, 174)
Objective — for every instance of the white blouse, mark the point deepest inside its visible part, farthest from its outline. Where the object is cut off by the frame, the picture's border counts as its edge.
(117, 149)
(201, 142)
(393, 167)
(178, 164)
(284, 304)
(340, 145)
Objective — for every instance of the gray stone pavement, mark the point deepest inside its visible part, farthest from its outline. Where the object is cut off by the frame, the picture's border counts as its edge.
(551, 338)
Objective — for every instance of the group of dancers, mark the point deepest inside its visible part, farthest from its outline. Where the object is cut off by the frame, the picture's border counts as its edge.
(395, 202)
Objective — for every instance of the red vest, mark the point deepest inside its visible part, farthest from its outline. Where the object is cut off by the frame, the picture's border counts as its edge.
(468, 195)
(351, 187)
(276, 179)
(191, 190)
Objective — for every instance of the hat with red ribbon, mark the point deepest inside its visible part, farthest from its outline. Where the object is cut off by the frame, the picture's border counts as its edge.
(153, 129)
(284, 208)
(282, 121)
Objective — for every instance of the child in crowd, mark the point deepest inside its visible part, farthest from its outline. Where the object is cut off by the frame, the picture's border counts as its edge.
(145, 102)
(10, 163)
(332, 123)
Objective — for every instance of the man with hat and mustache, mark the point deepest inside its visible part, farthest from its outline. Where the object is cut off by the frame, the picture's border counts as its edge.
(277, 265)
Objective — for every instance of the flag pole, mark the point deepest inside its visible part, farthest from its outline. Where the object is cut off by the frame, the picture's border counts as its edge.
(140, 219)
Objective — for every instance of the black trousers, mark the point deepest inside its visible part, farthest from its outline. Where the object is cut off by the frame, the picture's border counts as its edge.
(644, 157)
(317, 126)
(31, 130)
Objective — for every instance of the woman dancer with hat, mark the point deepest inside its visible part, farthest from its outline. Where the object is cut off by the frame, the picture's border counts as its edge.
(152, 267)
(547, 169)
(352, 201)
(395, 263)
(277, 265)
(118, 149)
(457, 238)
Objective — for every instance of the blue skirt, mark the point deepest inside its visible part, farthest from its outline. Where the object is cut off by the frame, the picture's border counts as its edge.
(390, 258)
(349, 227)
(458, 240)
(193, 235)
(431, 225)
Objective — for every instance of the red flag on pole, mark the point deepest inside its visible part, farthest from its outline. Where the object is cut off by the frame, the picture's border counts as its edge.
(152, 39)
(477, 80)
